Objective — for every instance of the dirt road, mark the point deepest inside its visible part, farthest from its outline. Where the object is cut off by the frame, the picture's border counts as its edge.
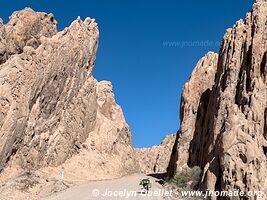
(119, 189)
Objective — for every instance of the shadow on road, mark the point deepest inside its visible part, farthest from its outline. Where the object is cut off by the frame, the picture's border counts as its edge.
(159, 176)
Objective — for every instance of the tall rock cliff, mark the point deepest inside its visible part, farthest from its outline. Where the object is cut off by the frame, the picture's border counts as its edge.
(58, 125)
(55, 118)
(224, 130)
(48, 99)
(200, 82)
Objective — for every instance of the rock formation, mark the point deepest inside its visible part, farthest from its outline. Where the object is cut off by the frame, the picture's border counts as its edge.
(155, 159)
(200, 82)
(57, 123)
(24, 29)
(48, 100)
(223, 122)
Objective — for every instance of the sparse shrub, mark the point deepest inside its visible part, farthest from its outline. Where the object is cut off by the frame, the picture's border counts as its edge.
(188, 178)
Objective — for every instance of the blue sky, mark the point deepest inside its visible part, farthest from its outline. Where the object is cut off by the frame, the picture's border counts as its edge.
(136, 51)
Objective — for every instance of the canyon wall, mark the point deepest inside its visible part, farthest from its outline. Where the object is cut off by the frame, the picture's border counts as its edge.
(48, 99)
(51, 107)
(155, 160)
(200, 82)
(59, 126)
(223, 123)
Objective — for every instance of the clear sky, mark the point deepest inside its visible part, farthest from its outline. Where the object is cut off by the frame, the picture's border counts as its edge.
(136, 51)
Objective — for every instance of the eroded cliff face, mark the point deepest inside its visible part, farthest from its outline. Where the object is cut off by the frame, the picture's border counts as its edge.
(55, 118)
(155, 160)
(227, 131)
(48, 99)
(24, 29)
(197, 89)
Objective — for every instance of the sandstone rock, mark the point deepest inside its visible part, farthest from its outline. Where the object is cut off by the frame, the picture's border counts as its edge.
(24, 28)
(193, 99)
(54, 116)
(229, 136)
(48, 99)
(155, 160)
(58, 125)
(107, 153)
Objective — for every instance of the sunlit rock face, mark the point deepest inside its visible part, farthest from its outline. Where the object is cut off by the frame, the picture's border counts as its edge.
(195, 90)
(223, 127)
(51, 106)
(155, 160)
(48, 96)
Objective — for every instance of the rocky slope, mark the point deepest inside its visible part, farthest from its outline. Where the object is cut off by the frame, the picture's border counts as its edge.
(223, 124)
